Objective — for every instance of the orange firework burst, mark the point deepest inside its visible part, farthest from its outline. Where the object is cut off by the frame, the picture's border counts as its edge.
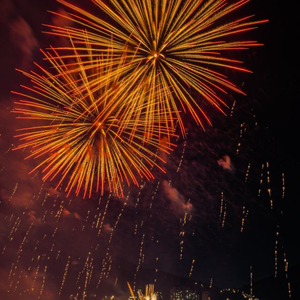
(87, 136)
(177, 45)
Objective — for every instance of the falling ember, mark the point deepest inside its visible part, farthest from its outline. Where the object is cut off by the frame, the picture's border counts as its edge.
(222, 203)
(13, 192)
(211, 283)
(9, 149)
(45, 199)
(268, 182)
(183, 222)
(156, 269)
(247, 172)
(192, 268)
(88, 274)
(34, 279)
(43, 284)
(251, 282)
(245, 215)
(118, 218)
(265, 171)
(276, 252)
(181, 249)
(154, 192)
(286, 267)
(18, 281)
(64, 275)
(141, 253)
(182, 155)
(3, 250)
(224, 214)
(106, 267)
(289, 290)
(283, 186)
(104, 215)
(24, 239)
(54, 233)
(270, 196)
(232, 108)
(261, 180)
(242, 130)
(14, 228)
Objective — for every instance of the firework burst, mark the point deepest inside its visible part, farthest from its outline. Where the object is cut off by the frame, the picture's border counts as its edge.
(180, 46)
(83, 135)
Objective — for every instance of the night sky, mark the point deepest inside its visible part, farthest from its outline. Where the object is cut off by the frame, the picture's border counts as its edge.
(228, 200)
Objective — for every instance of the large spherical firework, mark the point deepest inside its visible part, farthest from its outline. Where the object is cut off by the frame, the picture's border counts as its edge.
(178, 45)
(87, 138)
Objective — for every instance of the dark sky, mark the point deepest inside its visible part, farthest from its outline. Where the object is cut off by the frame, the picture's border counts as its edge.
(214, 214)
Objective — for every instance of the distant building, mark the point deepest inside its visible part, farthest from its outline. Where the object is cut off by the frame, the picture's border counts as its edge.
(183, 293)
(206, 293)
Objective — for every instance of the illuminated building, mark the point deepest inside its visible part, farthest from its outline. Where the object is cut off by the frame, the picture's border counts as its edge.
(183, 293)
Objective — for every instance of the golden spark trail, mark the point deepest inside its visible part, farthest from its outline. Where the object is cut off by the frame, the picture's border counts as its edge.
(64, 275)
(178, 46)
(90, 138)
